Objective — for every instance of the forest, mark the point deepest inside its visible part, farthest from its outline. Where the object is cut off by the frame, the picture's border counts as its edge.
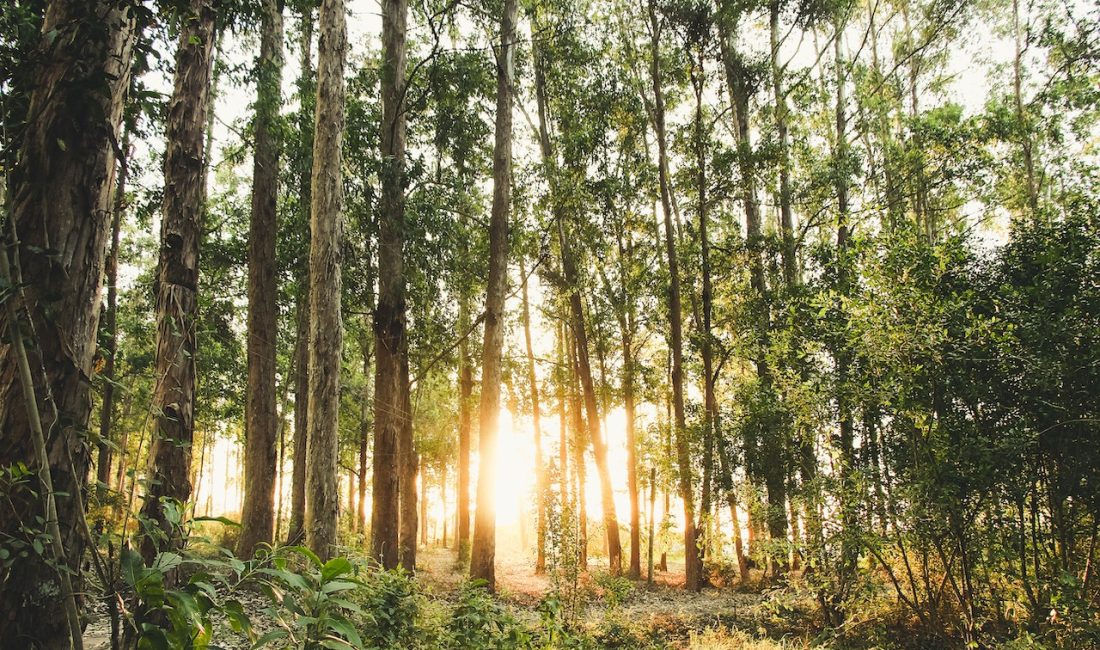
(712, 324)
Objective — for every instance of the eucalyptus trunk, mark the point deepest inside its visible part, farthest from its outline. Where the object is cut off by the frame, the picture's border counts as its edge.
(391, 344)
(483, 551)
(692, 560)
(261, 417)
(325, 323)
(59, 198)
(178, 278)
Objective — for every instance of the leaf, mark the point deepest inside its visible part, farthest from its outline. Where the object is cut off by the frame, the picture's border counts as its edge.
(221, 520)
(347, 630)
(337, 566)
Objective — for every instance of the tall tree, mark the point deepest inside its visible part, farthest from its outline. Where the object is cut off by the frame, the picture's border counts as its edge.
(177, 280)
(261, 418)
(692, 559)
(536, 418)
(391, 345)
(307, 99)
(325, 326)
(465, 399)
(58, 210)
(483, 550)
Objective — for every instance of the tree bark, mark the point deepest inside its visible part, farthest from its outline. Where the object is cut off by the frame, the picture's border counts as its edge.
(261, 418)
(483, 551)
(692, 560)
(465, 399)
(409, 465)
(536, 418)
(325, 325)
(786, 221)
(177, 280)
(391, 344)
(296, 532)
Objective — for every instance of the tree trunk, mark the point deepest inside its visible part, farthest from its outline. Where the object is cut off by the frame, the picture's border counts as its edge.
(536, 418)
(177, 279)
(786, 222)
(710, 400)
(409, 463)
(465, 399)
(296, 532)
(365, 427)
(391, 345)
(771, 448)
(1027, 143)
(325, 324)
(59, 198)
(580, 444)
(261, 418)
(483, 555)
(692, 560)
(110, 315)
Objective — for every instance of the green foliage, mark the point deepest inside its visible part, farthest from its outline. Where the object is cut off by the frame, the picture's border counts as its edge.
(480, 621)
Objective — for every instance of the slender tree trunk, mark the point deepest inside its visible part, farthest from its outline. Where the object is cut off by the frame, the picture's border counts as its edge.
(786, 221)
(710, 400)
(325, 323)
(409, 463)
(423, 471)
(580, 444)
(178, 276)
(692, 561)
(771, 448)
(110, 315)
(483, 555)
(261, 418)
(296, 532)
(391, 345)
(465, 400)
(536, 418)
(364, 433)
(1026, 142)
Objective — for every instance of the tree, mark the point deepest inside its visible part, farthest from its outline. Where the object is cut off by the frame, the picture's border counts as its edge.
(326, 327)
(169, 486)
(483, 550)
(261, 419)
(58, 196)
(692, 558)
(307, 99)
(391, 346)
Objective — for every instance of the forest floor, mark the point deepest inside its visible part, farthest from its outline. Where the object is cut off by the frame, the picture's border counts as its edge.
(658, 610)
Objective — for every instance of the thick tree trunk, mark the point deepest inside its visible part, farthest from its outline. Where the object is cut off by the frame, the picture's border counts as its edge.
(483, 552)
(391, 345)
(536, 418)
(59, 198)
(261, 418)
(110, 324)
(325, 325)
(692, 560)
(296, 532)
(177, 279)
(465, 400)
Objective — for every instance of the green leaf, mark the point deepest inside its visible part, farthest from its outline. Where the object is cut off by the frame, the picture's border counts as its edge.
(337, 566)
(347, 630)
